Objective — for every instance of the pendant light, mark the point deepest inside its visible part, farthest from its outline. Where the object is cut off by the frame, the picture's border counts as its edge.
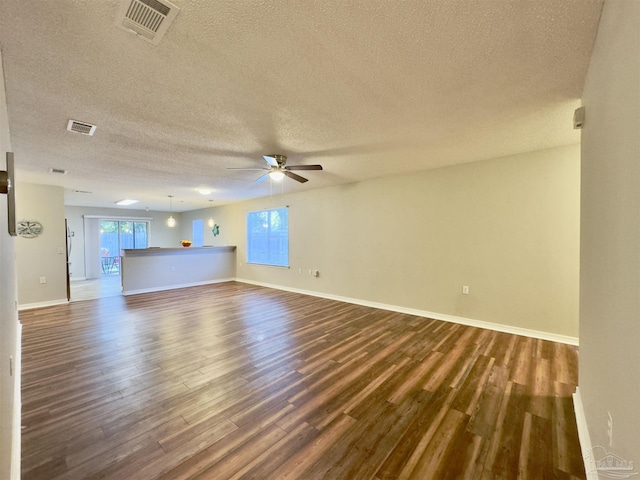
(211, 221)
(171, 222)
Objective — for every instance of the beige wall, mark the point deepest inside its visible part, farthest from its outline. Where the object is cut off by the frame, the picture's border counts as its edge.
(40, 256)
(508, 228)
(222, 217)
(610, 249)
(9, 327)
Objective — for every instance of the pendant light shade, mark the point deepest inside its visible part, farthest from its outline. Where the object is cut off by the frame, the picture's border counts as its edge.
(171, 222)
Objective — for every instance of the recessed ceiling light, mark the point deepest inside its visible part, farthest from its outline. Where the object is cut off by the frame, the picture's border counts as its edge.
(126, 201)
(204, 191)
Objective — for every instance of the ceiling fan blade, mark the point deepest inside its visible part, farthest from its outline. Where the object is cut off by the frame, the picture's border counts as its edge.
(295, 177)
(304, 167)
(262, 178)
(271, 160)
(248, 169)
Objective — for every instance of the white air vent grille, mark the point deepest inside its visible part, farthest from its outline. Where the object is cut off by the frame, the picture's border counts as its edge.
(81, 127)
(150, 19)
(60, 171)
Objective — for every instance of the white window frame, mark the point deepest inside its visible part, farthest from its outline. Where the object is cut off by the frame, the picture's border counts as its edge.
(266, 250)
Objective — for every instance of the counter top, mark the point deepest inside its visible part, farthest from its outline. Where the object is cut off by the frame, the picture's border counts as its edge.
(138, 252)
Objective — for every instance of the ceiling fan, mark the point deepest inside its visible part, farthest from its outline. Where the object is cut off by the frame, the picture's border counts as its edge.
(277, 169)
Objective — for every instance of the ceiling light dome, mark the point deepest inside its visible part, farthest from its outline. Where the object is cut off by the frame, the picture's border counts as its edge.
(276, 175)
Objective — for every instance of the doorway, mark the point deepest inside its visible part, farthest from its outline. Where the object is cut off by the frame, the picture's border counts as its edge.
(104, 239)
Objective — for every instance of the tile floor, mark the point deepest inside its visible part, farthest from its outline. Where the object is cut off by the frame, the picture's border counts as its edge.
(105, 286)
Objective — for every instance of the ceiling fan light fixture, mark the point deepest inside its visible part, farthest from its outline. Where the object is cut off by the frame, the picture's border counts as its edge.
(277, 169)
(276, 175)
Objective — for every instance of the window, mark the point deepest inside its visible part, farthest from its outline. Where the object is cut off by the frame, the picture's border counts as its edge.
(117, 235)
(197, 232)
(268, 237)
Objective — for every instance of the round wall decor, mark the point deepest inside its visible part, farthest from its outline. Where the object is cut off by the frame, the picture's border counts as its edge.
(29, 228)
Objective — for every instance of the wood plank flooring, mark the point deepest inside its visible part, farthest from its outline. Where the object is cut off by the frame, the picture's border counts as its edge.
(233, 381)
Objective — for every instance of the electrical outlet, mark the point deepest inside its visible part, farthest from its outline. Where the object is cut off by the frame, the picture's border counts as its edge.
(610, 428)
(465, 290)
(43, 279)
(60, 250)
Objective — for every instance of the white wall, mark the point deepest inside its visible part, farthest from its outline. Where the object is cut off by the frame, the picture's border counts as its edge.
(159, 234)
(508, 228)
(42, 256)
(610, 246)
(9, 326)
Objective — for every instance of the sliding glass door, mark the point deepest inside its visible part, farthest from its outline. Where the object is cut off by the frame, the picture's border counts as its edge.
(116, 236)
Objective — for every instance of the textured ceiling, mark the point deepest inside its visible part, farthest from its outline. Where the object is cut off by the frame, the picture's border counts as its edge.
(367, 88)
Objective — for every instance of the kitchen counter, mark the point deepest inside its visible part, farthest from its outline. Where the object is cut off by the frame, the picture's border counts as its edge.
(156, 269)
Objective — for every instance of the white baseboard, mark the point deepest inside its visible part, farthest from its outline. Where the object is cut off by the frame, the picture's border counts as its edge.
(16, 428)
(175, 287)
(50, 303)
(583, 436)
(553, 337)
(78, 279)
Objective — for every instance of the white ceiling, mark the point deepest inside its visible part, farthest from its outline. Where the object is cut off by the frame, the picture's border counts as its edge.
(367, 88)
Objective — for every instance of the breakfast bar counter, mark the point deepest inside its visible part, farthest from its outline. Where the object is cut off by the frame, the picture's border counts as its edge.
(155, 269)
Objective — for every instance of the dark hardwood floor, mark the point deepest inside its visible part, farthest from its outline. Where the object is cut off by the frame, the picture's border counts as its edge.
(237, 381)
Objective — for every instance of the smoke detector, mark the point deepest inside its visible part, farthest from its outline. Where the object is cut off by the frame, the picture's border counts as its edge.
(149, 19)
(81, 127)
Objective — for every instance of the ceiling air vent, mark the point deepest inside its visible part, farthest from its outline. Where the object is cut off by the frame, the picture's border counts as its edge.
(60, 171)
(149, 19)
(81, 127)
